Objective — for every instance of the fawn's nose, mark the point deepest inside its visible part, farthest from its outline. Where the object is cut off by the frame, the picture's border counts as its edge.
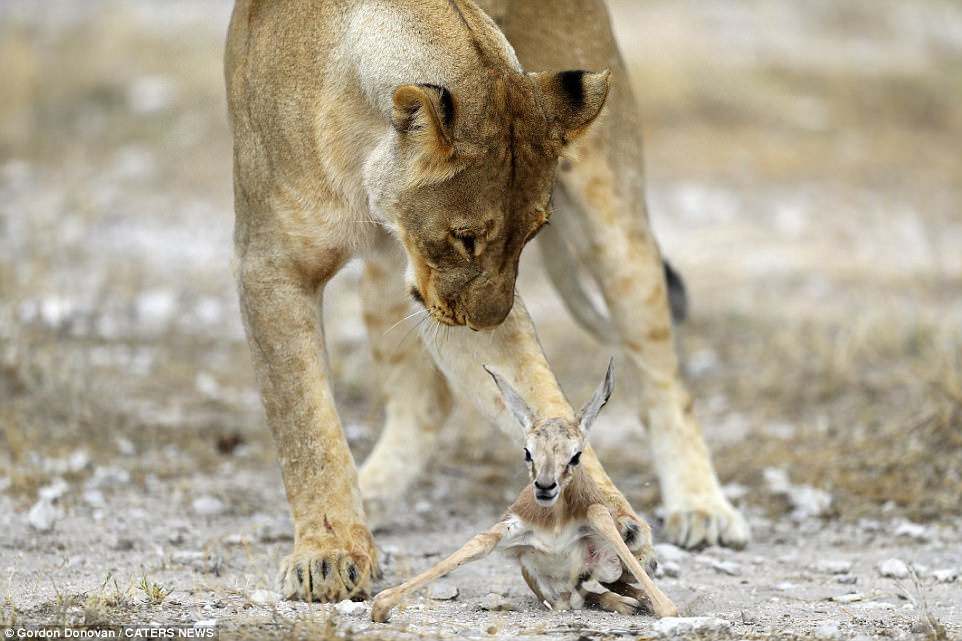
(546, 488)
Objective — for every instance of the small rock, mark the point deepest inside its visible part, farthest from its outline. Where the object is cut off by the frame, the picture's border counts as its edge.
(203, 623)
(914, 531)
(893, 569)
(808, 501)
(107, 476)
(235, 539)
(78, 461)
(829, 630)
(121, 544)
(494, 602)
(57, 488)
(670, 569)
(265, 597)
(946, 576)
(849, 598)
(674, 626)
(727, 567)
(42, 516)
(187, 557)
(777, 480)
(274, 532)
(827, 566)
(669, 552)
(208, 506)
(735, 491)
(847, 579)
(443, 591)
(94, 498)
(350, 607)
(5, 484)
(125, 446)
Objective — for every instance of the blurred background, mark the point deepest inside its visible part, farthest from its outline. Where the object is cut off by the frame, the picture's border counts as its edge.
(804, 175)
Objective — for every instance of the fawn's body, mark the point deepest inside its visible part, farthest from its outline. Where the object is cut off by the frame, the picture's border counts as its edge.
(560, 529)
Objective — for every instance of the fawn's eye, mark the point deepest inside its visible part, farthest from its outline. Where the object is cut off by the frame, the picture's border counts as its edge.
(575, 459)
(527, 455)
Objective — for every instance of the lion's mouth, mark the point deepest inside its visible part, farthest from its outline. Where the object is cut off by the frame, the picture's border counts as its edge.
(438, 313)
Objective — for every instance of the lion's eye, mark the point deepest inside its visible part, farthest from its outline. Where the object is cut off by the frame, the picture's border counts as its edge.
(467, 240)
(575, 459)
(527, 455)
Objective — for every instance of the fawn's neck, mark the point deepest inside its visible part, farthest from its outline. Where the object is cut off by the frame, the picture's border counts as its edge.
(579, 494)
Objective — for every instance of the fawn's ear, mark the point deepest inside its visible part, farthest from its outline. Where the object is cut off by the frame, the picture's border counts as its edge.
(522, 412)
(590, 411)
(423, 115)
(573, 98)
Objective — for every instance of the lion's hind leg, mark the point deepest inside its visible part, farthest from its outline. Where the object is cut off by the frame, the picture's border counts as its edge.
(417, 401)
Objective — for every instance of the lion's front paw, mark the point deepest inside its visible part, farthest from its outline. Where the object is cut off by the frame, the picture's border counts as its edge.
(329, 568)
(636, 533)
(712, 523)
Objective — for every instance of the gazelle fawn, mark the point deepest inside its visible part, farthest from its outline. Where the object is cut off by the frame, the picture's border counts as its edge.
(559, 529)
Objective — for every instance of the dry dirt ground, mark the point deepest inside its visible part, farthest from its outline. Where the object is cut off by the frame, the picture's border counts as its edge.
(805, 175)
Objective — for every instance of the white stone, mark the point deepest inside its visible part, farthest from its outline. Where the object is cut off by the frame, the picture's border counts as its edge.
(496, 602)
(828, 630)
(808, 501)
(893, 569)
(94, 498)
(914, 531)
(443, 591)
(727, 567)
(672, 626)
(948, 575)
(669, 552)
(107, 476)
(265, 597)
(235, 539)
(830, 566)
(849, 598)
(670, 569)
(43, 515)
(208, 506)
(57, 488)
(78, 461)
(350, 607)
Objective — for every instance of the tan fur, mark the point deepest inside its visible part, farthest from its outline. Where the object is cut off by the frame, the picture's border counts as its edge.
(364, 126)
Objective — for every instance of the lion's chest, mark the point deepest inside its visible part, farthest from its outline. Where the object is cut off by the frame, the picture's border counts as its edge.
(559, 560)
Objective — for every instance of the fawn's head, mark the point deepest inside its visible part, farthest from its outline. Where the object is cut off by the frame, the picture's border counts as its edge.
(553, 446)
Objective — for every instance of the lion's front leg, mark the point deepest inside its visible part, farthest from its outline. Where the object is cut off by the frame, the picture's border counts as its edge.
(614, 240)
(334, 556)
(512, 348)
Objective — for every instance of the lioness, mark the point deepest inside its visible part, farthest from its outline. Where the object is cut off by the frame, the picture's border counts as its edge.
(418, 116)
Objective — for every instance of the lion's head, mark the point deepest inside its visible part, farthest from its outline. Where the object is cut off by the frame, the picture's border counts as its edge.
(465, 180)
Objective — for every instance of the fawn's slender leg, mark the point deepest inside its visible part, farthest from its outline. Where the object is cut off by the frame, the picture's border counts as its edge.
(477, 548)
(635, 531)
(600, 519)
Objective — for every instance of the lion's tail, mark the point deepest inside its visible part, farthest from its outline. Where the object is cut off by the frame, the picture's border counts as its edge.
(563, 270)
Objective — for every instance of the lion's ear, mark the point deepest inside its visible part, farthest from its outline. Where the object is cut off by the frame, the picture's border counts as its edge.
(574, 98)
(424, 115)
